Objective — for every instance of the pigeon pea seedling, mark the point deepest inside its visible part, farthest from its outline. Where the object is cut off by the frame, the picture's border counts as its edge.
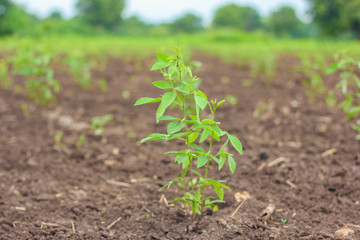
(180, 89)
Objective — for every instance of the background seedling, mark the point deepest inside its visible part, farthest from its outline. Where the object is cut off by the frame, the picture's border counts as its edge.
(5, 79)
(97, 124)
(103, 85)
(80, 140)
(35, 65)
(349, 84)
(192, 130)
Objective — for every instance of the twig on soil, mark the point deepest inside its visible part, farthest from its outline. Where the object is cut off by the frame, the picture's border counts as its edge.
(113, 223)
(117, 183)
(136, 180)
(237, 209)
(73, 226)
(329, 152)
(261, 167)
(48, 224)
(352, 225)
(163, 199)
(291, 184)
(276, 161)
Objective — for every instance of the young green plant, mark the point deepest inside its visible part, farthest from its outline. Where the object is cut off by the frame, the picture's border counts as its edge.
(349, 84)
(194, 131)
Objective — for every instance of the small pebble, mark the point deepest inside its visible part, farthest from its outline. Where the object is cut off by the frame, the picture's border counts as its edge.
(344, 233)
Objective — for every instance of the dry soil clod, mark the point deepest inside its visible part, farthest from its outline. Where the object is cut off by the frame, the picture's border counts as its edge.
(266, 213)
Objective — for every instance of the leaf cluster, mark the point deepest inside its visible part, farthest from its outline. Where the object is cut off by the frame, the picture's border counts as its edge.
(193, 131)
(34, 65)
(349, 83)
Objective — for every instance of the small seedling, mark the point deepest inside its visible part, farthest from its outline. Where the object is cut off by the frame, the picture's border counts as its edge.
(125, 94)
(5, 79)
(103, 85)
(231, 99)
(35, 66)
(58, 138)
(193, 131)
(283, 220)
(97, 124)
(349, 84)
(80, 140)
(80, 69)
(24, 108)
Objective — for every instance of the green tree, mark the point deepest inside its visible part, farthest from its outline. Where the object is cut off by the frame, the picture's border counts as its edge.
(13, 18)
(234, 16)
(284, 22)
(101, 13)
(188, 23)
(133, 26)
(55, 15)
(336, 17)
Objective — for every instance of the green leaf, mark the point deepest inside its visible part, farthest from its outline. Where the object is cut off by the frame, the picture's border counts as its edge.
(162, 84)
(215, 159)
(209, 121)
(214, 135)
(163, 57)
(181, 158)
(154, 136)
(171, 70)
(222, 160)
(192, 137)
(183, 89)
(235, 142)
(197, 147)
(185, 163)
(159, 65)
(146, 100)
(219, 192)
(166, 100)
(217, 130)
(352, 112)
(178, 135)
(201, 102)
(223, 147)
(202, 160)
(169, 118)
(232, 164)
(204, 135)
(174, 127)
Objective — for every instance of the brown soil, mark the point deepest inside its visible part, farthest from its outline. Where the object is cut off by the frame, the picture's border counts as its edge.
(54, 192)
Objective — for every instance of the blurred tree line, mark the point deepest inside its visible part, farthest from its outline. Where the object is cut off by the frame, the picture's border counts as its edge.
(330, 18)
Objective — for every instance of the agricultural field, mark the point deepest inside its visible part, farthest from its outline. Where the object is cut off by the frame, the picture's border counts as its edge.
(76, 163)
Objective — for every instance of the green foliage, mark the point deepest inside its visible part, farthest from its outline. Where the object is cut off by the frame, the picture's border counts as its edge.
(314, 68)
(97, 124)
(337, 16)
(192, 130)
(133, 26)
(103, 85)
(35, 65)
(188, 23)
(79, 68)
(80, 140)
(234, 16)
(349, 83)
(5, 79)
(284, 22)
(13, 18)
(101, 13)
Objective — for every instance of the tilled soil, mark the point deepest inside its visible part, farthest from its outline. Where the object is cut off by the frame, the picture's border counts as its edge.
(299, 155)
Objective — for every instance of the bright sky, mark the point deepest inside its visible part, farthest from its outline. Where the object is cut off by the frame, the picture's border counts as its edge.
(157, 11)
